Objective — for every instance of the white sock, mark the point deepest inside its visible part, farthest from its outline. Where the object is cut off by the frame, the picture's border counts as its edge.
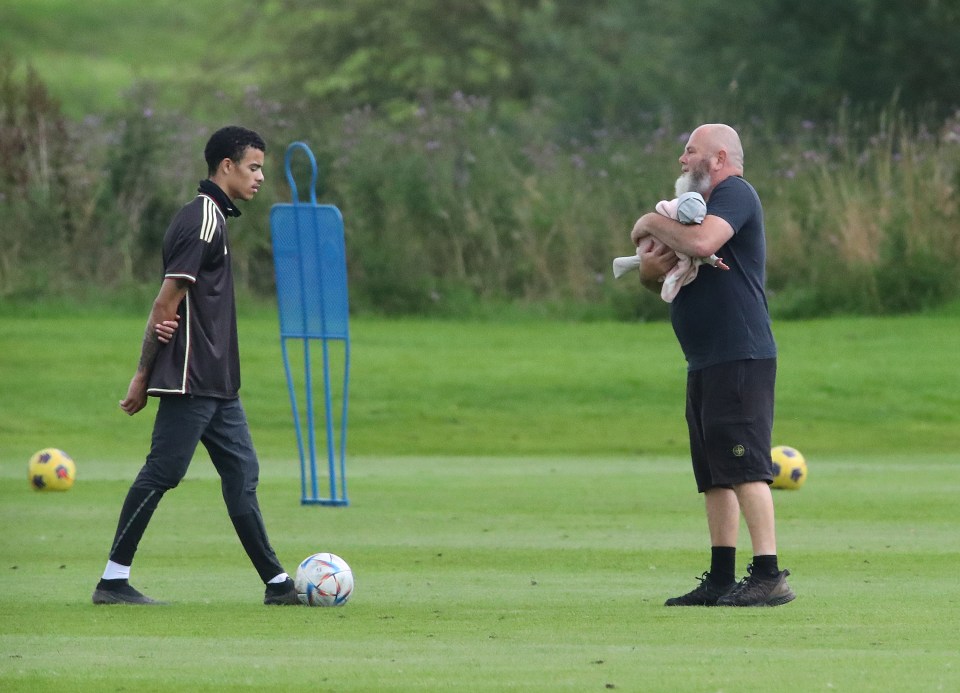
(115, 571)
(278, 579)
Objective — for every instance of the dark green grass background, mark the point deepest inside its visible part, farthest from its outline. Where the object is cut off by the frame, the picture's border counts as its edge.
(520, 507)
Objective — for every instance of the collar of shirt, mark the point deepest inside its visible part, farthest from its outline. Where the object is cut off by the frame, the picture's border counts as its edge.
(208, 187)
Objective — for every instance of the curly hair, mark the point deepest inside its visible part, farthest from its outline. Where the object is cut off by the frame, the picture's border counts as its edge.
(230, 143)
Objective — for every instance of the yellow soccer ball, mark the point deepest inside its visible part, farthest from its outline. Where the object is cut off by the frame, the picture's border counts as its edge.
(789, 467)
(51, 470)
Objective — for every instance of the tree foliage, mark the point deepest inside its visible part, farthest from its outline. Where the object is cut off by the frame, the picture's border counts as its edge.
(806, 59)
(600, 62)
(392, 54)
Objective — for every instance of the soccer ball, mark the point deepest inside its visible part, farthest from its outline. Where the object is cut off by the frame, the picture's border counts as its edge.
(51, 470)
(789, 467)
(324, 579)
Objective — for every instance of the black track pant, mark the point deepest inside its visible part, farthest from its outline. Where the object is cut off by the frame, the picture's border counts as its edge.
(221, 425)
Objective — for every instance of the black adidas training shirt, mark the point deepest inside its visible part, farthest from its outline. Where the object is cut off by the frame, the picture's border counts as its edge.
(203, 358)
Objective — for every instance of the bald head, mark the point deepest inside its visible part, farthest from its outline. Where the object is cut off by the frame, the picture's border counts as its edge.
(713, 154)
(721, 141)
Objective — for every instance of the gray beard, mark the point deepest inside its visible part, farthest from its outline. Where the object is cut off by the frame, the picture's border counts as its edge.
(692, 181)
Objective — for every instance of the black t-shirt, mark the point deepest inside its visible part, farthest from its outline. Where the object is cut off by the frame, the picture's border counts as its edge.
(722, 315)
(203, 358)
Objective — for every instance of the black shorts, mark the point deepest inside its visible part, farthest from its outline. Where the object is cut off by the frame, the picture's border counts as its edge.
(730, 420)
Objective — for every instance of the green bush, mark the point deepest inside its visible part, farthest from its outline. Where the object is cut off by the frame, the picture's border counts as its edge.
(83, 203)
(454, 203)
(867, 222)
(461, 208)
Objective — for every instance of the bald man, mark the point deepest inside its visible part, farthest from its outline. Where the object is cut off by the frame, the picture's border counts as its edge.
(723, 326)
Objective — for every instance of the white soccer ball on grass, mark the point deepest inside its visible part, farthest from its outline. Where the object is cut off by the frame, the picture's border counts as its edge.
(324, 579)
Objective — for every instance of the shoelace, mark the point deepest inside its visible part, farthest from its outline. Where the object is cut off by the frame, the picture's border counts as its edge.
(742, 585)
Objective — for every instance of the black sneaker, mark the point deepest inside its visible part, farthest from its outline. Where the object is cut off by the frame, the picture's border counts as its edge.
(119, 592)
(282, 593)
(755, 590)
(705, 594)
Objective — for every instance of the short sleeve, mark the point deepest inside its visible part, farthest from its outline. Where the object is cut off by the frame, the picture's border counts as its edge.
(190, 241)
(733, 203)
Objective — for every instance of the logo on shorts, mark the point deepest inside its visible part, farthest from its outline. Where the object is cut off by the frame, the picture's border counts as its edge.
(738, 450)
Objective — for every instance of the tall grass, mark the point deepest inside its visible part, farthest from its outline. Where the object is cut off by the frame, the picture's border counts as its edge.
(451, 204)
(861, 213)
(459, 206)
(869, 221)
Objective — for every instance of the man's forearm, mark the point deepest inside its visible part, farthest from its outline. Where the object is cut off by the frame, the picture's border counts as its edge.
(671, 233)
(164, 308)
(149, 349)
(695, 240)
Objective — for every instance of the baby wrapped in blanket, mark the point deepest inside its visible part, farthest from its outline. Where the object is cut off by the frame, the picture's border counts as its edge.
(688, 208)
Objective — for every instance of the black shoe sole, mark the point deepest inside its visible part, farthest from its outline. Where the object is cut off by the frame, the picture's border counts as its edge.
(283, 600)
(102, 597)
(777, 601)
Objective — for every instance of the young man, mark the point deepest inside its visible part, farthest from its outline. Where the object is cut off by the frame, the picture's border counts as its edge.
(194, 370)
(723, 326)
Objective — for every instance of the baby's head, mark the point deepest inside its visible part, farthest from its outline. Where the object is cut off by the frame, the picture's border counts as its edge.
(691, 209)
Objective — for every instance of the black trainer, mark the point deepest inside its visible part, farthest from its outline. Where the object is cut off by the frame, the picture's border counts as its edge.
(119, 592)
(705, 594)
(756, 590)
(282, 593)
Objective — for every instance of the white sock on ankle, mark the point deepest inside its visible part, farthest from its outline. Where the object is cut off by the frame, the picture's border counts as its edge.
(115, 571)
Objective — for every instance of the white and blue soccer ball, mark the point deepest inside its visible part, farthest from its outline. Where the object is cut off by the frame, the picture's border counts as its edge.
(324, 579)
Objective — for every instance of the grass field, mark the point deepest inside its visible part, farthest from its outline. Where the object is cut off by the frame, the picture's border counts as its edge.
(491, 574)
(853, 386)
(520, 507)
(90, 54)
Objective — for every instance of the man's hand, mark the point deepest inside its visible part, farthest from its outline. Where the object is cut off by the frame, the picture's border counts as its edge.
(641, 229)
(655, 261)
(166, 329)
(136, 398)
